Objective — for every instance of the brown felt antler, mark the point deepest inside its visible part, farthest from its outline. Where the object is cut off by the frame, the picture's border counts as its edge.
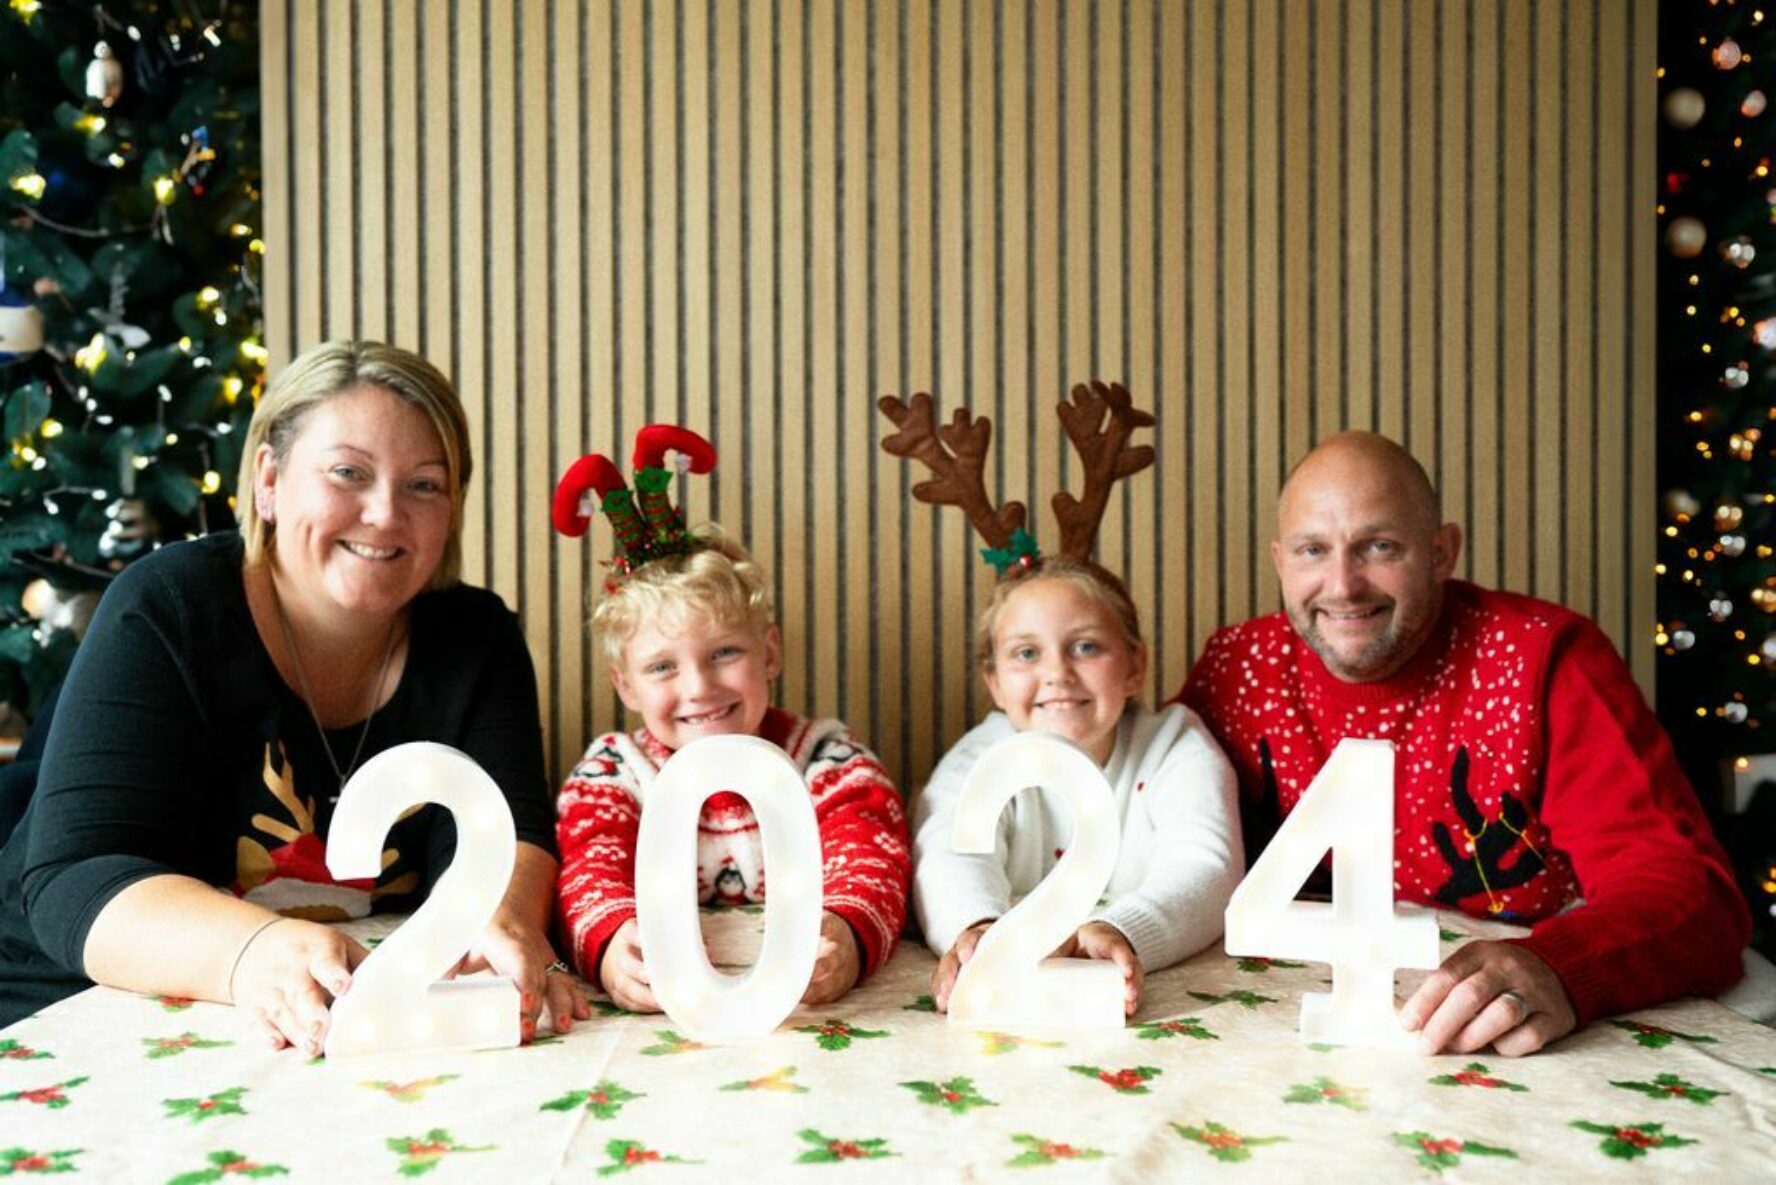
(959, 470)
(1107, 458)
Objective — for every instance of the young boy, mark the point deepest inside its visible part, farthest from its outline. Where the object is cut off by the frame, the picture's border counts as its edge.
(693, 648)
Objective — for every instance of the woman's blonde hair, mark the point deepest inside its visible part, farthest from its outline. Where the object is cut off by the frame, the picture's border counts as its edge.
(334, 368)
(1098, 583)
(716, 581)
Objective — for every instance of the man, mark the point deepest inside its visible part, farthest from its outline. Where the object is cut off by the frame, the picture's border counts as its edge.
(1532, 783)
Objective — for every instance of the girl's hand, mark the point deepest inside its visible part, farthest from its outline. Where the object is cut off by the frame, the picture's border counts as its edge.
(623, 972)
(948, 967)
(518, 949)
(1100, 940)
(286, 977)
(839, 963)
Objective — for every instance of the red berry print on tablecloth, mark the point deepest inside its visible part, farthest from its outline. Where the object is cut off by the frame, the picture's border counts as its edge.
(1130, 1080)
(54, 1097)
(993, 1044)
(197, 1110)
(14, 1161)
(777, 1080)
(1631, 1141)
(603, 1100)
(18, 1051)
(1440, 1152)
(836, 1034)
(1658, 1036)
(957, 1095)
(174, 1003)
(410, 1092)
(1245, 999)
(1670, 1086)
(1177, 1026)
(419, 1155)
(628, 1155)
(1324, 1090)
(825, 1149)
(228, 1163)
(1223, 1143)
(1037, 1151)
(1474, 1074)
(1259, 965)
(670, 1043)
(159, 1047)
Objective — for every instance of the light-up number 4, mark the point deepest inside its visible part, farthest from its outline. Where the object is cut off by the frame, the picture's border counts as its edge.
(394, 1003)
(1008, 983)
(707, 1004)
(1348, 808)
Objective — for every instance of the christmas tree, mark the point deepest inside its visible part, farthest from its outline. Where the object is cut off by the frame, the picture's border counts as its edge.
(130, 316)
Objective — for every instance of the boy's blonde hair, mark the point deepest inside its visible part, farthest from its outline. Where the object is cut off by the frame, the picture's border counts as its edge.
(715, 581)
(1098, 583)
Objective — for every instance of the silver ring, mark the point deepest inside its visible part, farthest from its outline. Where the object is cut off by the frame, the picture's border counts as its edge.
(558, 965)
(1518, 1003)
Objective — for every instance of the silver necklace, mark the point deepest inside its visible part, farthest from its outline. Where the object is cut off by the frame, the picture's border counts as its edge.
(308, 696)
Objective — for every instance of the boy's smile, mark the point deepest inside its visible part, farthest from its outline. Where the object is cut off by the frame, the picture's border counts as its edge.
(709, 679)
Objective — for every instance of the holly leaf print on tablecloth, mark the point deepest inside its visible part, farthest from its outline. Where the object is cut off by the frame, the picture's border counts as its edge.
(608, 1008)
(1241, 997)
(603, 1100)
(1258, 965)
(1445, 934)
(1039, 1151)
(1132, 1080)
(957, 1095)
(1177, 1026)
(228, 1163)
(54, 1097)
(921, 1004)
(1670, 1086)
(421, 1154)
(1324, 1090)
(1631, 1141)
(1657, 1036)
(18, 1051)
(629, 1155)
(159, 1047)
(1438, 1153)
(825, 1149)
(837, 1034)
(1223, 1143)
(174, 1003)
(1474, 1074)
(26, 1160)
(410, 1092)
(993, 1044)
(223, 1102)
(776, 1080)
(670, 1043)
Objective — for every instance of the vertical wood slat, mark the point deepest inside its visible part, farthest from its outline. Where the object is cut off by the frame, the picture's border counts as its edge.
(759, 217)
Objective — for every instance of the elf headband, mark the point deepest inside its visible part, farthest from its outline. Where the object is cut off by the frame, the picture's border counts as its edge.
(956, 454)
(657, 529)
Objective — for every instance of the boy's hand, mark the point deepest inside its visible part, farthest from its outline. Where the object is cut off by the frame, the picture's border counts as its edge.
(1101, 940)
(623, 973)
(838, 964)
(950, 966)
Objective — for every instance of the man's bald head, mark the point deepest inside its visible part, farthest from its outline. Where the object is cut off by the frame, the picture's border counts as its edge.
(1370, 460)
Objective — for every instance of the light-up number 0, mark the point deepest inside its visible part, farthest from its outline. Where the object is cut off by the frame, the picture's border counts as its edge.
(1348, 808)
(1008, 983)
(395, 1002)
(711, 1005)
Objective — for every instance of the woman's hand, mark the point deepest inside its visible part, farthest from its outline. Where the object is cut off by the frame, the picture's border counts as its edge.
(950, 966)
(838, 964)
(624, 974)
(518, 949)
(287, 976)
(1101, 940)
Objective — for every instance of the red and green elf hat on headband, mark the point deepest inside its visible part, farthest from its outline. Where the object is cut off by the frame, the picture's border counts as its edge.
(657, 528)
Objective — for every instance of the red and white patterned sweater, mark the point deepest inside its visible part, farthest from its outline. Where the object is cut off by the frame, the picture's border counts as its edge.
(863, 835)
(1530, 778)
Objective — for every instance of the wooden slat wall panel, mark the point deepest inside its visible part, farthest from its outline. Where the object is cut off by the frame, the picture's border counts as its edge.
(1272, 220)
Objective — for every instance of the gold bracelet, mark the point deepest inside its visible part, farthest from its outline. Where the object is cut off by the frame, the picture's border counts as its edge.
(242, 952)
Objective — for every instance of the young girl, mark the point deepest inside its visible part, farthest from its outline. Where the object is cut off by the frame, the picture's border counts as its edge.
(1060, 649)
(686, 626)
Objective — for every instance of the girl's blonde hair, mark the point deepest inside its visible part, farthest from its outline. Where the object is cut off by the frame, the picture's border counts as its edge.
(716, 581)
(334, 368)
(1100, 584)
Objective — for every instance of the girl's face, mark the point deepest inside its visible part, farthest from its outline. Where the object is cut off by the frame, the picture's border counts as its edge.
(708, 680)
(1062, 665)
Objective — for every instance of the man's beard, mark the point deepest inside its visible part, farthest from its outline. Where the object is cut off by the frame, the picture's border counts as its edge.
(1384, 654)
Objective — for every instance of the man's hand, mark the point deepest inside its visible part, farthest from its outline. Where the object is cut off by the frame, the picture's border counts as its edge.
(1100, 940)
(623, 973)
(838, 964)
(948, 967)
(1495, 993)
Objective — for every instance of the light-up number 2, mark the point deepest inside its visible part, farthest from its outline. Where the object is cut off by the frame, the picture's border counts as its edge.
(712, 1005)
(1348, 808)
(395, 1002)
(1008, 982)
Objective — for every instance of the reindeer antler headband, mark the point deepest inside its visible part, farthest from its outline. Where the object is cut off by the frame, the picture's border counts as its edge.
(956, 454)
(655, 531)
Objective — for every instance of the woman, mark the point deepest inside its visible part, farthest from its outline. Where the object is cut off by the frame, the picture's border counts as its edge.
(230, 685)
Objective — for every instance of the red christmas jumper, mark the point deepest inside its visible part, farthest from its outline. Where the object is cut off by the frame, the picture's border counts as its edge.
(865, 854)
(1532, 784)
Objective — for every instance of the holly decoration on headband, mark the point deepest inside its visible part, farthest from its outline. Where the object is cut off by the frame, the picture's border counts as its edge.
(651, 530)
(1099, 420)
